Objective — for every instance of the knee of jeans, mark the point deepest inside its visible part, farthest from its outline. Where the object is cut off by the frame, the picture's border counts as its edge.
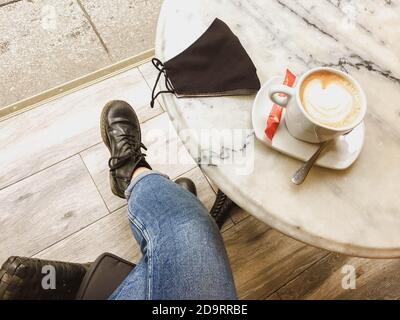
(190, 220)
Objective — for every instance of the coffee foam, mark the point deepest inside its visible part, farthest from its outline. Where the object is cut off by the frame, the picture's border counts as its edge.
(330, 99)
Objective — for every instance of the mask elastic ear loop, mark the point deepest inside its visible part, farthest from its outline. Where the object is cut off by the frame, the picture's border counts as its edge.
(161, 68)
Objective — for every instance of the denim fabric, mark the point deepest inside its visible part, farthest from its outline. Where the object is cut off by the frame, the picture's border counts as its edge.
(183, 253)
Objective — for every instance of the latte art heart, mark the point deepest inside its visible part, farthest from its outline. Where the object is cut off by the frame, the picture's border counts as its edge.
(330, 99)
(332, 104)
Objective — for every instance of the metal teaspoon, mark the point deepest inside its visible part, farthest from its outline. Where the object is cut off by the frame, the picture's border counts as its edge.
(300, 176)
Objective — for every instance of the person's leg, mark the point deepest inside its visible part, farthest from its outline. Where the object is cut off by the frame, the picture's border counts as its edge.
(183, 253)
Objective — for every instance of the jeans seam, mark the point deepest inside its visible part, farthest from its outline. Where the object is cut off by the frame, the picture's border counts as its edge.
(139, 225)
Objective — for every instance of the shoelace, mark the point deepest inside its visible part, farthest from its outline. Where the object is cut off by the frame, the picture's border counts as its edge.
(161, 68)
(134, 152)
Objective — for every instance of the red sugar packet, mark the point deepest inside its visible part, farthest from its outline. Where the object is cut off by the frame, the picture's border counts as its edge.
(274, 118)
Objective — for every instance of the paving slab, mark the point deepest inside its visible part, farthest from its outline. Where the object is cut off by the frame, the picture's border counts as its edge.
(44, 44)
(126, 26)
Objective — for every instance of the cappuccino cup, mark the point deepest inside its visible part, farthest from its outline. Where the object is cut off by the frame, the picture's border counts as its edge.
(324, 104)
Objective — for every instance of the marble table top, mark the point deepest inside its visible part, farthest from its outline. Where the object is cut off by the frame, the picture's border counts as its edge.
(356, 211)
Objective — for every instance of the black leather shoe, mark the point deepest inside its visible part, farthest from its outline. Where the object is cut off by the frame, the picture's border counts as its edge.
(120, 130)
(187, 184)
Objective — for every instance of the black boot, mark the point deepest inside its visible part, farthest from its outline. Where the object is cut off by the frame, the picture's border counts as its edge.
(120, 130)
(187, 184)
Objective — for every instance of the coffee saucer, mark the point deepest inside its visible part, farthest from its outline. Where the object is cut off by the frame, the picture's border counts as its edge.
(340, 154)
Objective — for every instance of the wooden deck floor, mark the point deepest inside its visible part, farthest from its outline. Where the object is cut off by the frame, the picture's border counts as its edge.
(55, 201)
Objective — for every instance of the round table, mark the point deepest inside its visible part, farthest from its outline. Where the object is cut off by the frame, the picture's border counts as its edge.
(356, 211)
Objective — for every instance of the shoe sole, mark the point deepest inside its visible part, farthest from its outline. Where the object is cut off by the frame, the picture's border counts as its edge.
(104, 136)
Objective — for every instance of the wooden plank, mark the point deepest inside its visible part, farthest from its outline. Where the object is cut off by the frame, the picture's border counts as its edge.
(150, 74)
(212, 184)
(274, 296)
(166, 154)
(38, 138)
(263, 260)
(375, 279)
(96, 160)
(47, 207)
(238, 215)
(112, 233)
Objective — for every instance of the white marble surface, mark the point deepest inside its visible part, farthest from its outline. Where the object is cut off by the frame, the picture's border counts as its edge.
(357, 211)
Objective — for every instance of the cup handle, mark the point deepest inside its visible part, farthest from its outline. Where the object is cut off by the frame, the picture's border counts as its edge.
(280, 94)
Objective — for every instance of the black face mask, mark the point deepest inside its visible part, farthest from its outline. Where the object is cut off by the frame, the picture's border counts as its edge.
(215, 65)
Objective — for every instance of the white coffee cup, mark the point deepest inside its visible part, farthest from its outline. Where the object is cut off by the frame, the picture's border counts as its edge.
(299, 123)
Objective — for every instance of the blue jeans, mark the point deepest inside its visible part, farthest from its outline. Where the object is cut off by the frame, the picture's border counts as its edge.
(183, 253)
